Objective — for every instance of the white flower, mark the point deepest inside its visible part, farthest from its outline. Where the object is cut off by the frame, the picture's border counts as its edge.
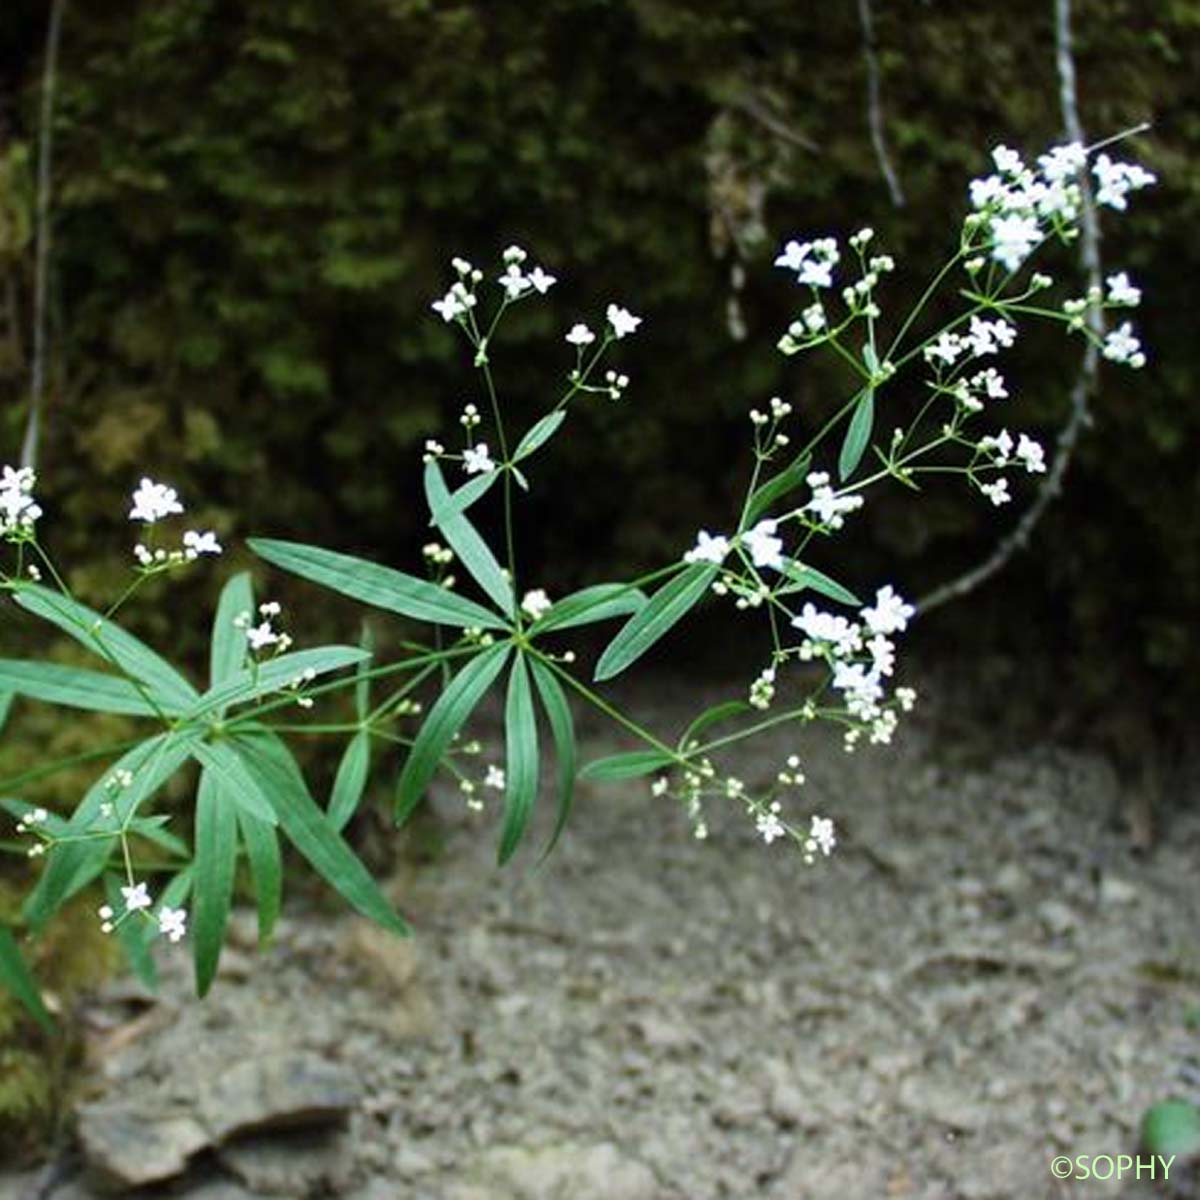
(514, 282)
(708, 549)
(999, 447)
(452, 305)
(762, 690)
(621, 320)
(1031, 456)
(821, 836)
(172, 922)
(769, 825)
(1061, 163)
(890, 614)
(842, 635)
(827, 504)
(478, 461)
(987, 337)
(1121, 291)
(580, 335)
(996, 492)
(540, 281)
(883, 654)
(153, 501)
(195, 543)
(136, 897)
(1008, 162)
(947, 348)
(18, 510)
(991, 383)
(494, 778)
(813, 261)
(514, 255)
(1117, 180)
(765, 549)
(536, 604)
(261, 635)
(1013, 237)
(1120, 346)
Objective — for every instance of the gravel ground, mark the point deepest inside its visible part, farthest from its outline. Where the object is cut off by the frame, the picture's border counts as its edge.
(981, 978)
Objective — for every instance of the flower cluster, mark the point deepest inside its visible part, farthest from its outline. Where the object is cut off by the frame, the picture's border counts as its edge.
(18, 509)
(153, 502)
(171, 921)
(263, 634)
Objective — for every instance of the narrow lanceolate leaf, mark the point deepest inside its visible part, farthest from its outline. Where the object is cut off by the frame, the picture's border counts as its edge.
(540, 432)
(370, 583)
(274, 769)
(562, 727)
(712, 716)
(213, 865)
(857, 435)
(169, 689)
(464, 539)
(665, 609)
(73, 686)
(459, 500)
(239, 787)
(778, 486)
(521, 768)
(626, 766)
(16, 978)
(73, 865)
(266, 870)
(227, 647)
(600, 602)
(351, 780)
(445, 719)
(276, 674)
(806, 577)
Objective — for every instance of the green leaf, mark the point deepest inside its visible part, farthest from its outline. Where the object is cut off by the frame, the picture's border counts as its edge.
(791, 477)
(75, 687)
(276, 674)
(227, 653)
(464, 539)
(806, 577)
(1172, 1128)
(266, 870)
(16, 978)
(463, 497)
(521, 769)
(857, 435)
(539, 433)
(445, 719)
(626, 766)
(223, 762)
(562, 727)
(271, 765)
(372, 584)
(712, 716)
(351, 780)
(73, 865)
(870, 358)
(600, 602)
(213, 866)
(112, 643)
(666, 608)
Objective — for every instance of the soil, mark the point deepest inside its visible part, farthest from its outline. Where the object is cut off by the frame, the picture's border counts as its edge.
(982, 977)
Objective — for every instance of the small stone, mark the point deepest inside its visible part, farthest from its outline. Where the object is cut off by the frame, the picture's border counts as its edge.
(128, 1147)
(294, 1164)
(1115, 890)
(280, 1091)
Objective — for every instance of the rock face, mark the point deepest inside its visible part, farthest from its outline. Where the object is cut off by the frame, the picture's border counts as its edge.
(130, 1145)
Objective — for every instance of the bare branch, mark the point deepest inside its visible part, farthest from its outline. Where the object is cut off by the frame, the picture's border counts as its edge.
(875, 105)
(29, 448)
